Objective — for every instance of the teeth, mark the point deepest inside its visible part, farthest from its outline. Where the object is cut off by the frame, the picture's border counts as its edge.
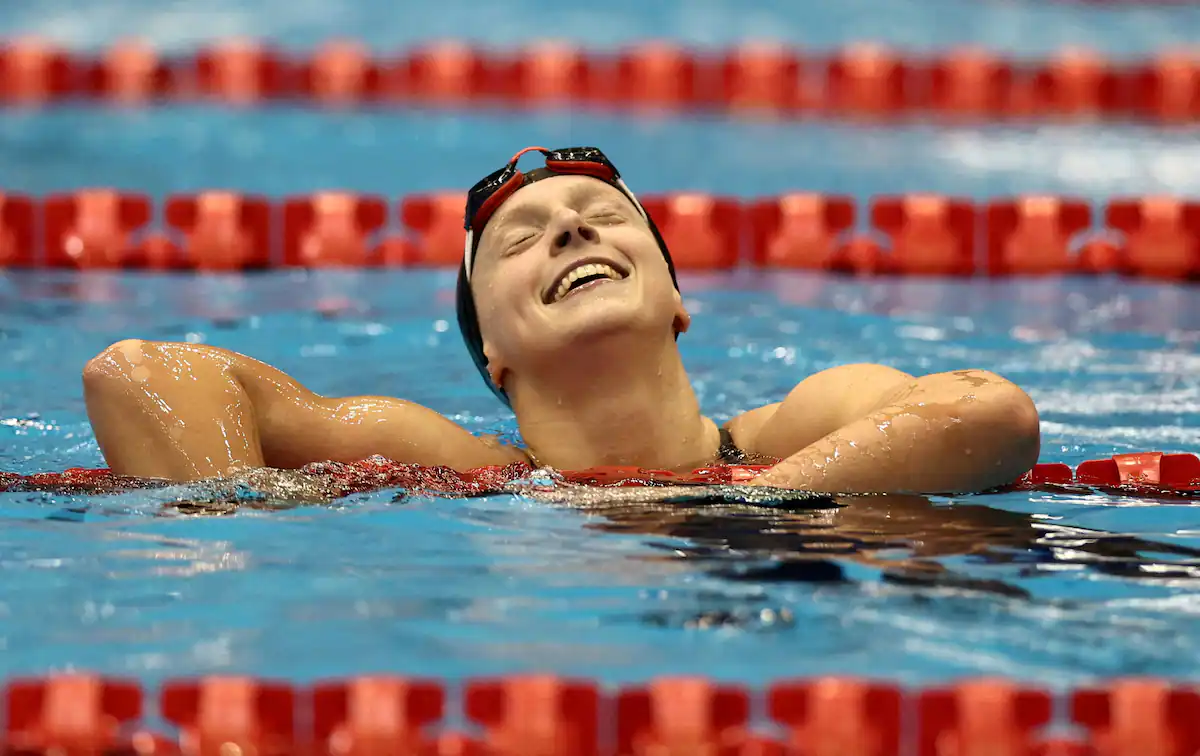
(583, 271)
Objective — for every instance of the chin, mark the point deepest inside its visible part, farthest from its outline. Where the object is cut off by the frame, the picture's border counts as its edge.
(604, 320)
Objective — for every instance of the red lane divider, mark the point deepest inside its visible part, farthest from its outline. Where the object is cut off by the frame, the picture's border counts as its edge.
(858, 81)
(1143, 716)
(997, 712)
(216, 713)
(907, 235)
(79, 714)
(374, 715)
(1142, 470)
(838, 715)
(1145, 472)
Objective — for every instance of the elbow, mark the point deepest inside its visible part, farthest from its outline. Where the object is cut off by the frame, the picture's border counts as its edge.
(115, 363)
(127, 363)
(1007, 416)
(1024, 430)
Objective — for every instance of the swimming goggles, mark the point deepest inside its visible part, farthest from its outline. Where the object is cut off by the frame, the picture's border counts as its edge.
(492, 190)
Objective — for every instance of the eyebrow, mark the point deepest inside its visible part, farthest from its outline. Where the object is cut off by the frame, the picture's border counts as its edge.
(577, 195)
(520, 213)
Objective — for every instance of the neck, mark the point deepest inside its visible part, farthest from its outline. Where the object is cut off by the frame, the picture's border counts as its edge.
(614, 405)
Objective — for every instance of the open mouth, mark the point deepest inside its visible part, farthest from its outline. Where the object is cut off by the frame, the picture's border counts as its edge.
(583, 276)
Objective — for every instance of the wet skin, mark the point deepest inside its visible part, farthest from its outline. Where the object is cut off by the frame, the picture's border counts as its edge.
(595, 378)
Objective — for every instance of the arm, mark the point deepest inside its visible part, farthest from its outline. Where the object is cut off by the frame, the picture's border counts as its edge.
(186, 411)
(871, 429)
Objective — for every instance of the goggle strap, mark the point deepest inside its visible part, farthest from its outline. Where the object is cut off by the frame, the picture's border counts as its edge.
(620, 182)
(522, 153)
(469, 253)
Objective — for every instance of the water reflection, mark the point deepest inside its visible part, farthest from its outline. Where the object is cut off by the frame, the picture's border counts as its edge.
(906, 538)
(746, 534)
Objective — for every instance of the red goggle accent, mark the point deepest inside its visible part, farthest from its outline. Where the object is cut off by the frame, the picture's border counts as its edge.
(582, 167)
(489, 206)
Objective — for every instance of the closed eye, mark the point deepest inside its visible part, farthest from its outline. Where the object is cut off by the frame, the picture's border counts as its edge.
(518, 242)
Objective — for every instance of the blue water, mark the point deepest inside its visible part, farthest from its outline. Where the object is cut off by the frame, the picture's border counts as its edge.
(911, 590)
(452, 587)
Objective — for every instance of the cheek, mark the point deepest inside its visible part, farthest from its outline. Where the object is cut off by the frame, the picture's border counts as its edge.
(507, 291)
(637, 244)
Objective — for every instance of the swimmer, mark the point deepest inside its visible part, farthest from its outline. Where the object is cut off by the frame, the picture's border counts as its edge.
(569, 305)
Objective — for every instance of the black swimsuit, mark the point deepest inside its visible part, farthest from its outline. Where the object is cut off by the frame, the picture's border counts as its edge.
(728, 452)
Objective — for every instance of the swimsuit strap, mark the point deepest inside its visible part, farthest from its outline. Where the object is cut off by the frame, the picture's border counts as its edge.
(729, 453)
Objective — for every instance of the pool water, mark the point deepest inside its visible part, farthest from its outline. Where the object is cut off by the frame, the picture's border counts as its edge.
(912, 589)
(1051, 587)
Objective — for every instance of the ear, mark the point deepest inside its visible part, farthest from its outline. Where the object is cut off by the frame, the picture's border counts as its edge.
(683, 320)
(495, 365)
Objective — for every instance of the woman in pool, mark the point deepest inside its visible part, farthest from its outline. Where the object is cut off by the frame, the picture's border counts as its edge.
(568, 303)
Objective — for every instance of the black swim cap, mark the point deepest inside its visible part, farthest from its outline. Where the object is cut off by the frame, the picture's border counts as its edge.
(490, 193)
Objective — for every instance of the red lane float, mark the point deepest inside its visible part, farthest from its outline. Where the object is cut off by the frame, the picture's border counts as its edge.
(535, 715)
(868, 80)
(374, 715)
(761, 78)
(240, 72)
(996, 712)
(706, 230)
(435, 233)
(18, 216)
(1036, 235)
(341, 73)
(546, 73)
(1167, 89)
(129, 73)
(219, 230)
(928, 234)
(838, 715)
(93, 228)
(549, 716)
(906, 235)
(681, 715)
(1075, 83)
(801, 230)
(1161, 236)
(655, 74)
(332, 229)
(1142, 470)
(969, 84)
(1139, 716)
(444, 73)
(33, 72)
(219, 715)
(69, 714)
(858, 81)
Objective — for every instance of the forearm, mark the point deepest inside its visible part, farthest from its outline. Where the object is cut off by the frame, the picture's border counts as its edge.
(948, 435)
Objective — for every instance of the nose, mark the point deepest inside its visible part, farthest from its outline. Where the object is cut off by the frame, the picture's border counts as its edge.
(568, 229)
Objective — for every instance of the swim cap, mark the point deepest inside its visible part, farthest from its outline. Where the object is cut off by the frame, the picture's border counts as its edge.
(486, 197)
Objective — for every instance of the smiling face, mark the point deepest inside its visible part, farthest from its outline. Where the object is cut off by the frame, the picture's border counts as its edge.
(566, 260)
